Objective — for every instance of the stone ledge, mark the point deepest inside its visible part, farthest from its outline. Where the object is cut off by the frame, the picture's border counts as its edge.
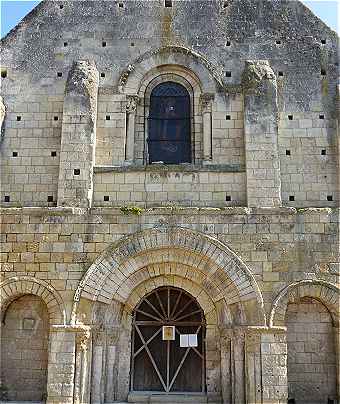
(167, 210)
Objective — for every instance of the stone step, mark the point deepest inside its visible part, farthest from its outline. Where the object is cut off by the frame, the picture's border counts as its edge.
(167, 398)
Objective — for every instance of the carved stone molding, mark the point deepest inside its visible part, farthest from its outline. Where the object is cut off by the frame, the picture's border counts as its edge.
(132, 102)
(98, 338)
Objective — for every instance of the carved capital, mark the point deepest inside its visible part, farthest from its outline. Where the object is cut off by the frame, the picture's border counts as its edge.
(206, 100)
(112, 336)
(82, 339)
(132, 102)
(99, 338)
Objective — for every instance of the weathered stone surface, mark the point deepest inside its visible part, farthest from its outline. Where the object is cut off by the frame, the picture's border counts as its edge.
(249, 228)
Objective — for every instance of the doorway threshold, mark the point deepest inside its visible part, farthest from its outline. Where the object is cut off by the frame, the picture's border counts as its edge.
(170, 398)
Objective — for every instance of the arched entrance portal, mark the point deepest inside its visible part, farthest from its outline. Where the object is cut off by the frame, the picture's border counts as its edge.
(167, 359)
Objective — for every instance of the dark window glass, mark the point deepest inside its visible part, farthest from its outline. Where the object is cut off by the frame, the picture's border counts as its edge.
(169, 138)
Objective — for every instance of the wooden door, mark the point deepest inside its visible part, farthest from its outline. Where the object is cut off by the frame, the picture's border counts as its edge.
(162, 365)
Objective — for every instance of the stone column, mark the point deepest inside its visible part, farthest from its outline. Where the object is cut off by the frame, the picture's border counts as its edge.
(98, 347)
(131, 107)
(78, 136)
(226, 376)
(206, 103)
(261, 135)
(61, 379)
(83, 368)
(238, 376)
(111, 364)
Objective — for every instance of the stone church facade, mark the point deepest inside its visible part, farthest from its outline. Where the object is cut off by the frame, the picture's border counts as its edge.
(170, 204)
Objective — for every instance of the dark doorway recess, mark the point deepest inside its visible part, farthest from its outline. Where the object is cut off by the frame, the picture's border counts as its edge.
(163, 366)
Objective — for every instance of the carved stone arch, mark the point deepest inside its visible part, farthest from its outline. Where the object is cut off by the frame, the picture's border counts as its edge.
(130, 79)
(327, 293)
(14, 287)
(122, 267)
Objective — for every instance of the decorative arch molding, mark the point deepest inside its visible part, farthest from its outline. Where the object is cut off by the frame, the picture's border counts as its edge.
(325, 292)
(14, 287)
(126, 264)
(131, 76)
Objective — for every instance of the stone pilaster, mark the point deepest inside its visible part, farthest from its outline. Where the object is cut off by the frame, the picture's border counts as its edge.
(206, 104)
(62, 363)
(261, 135)
(266, 365)
(78, 138)
(83, 369)
(131, 107)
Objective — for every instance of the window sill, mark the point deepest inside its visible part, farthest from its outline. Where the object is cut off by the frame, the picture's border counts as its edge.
(232, 168)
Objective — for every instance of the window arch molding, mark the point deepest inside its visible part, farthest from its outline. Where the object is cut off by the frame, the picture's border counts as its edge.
(152, 79)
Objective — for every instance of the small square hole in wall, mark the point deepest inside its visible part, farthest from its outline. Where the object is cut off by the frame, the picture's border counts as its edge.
(132, 44)
(323, 72)
(278, 42)
(102, 75)
(168, 3)
(228, 198)
(228, 74)
(53, 153)
(329, 198)
(228, 117)
(3, 73)
(103, 44)
(280, 74)
(228, 43)
(61, 6)
(15, 154)
(65, 44)
(321, 116)
(225, 4)
(290, 117)
(323, 41)
(7, 198)
(76, 171)
(291, 401)
(108, 117)
(55, 118)
(291, 198)
(50, 198)
(121, 5)
(106, 198)
(18, 118)
(287, 152)
(323, 152)
(59, 74)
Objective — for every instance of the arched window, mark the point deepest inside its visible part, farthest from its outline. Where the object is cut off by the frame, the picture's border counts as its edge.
(169, 138)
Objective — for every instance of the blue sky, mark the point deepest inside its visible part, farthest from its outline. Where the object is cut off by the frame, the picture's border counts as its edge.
(12, 11)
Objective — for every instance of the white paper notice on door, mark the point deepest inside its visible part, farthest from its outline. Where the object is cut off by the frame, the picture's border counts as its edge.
(193, 340)
(188, 340)
(184, 340)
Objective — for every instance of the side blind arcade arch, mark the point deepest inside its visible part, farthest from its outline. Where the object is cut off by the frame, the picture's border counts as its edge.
(169, 123)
